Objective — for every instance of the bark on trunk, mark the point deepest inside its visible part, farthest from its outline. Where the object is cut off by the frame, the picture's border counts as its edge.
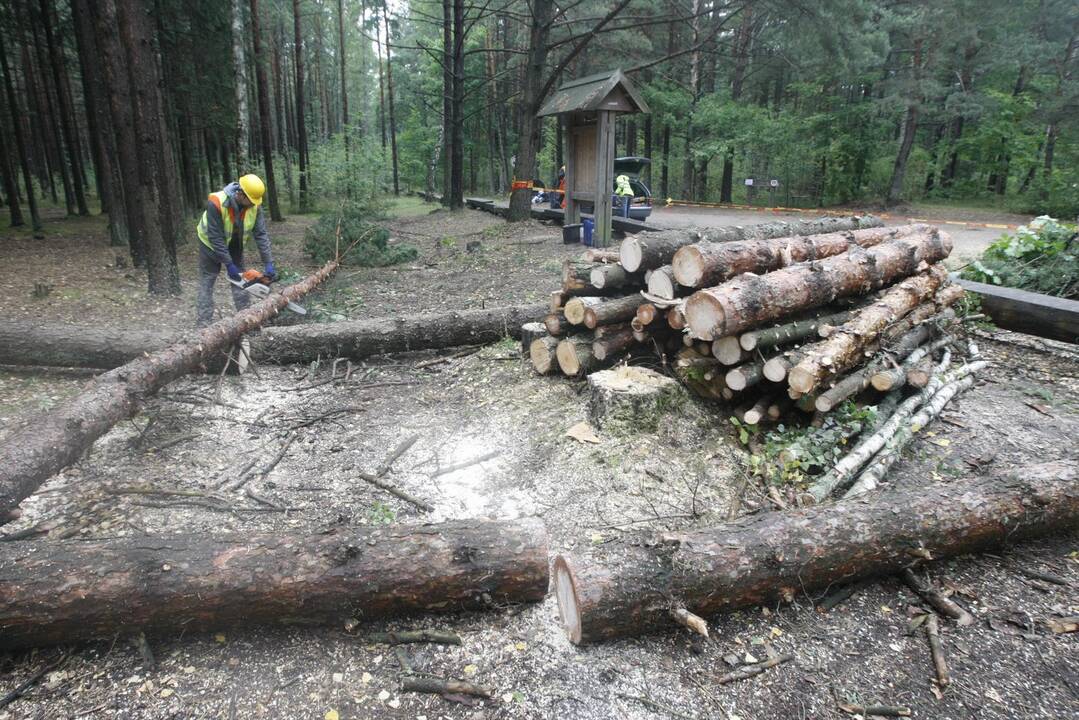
(389, 99)
(92, 347)
(647, 251)
(845, 348)
(40, 449)
(612, 311)
(708, 264)
(760, 559)
(789, 332)
(750, 300)
(76, 591)
(239, 70)
(301, 124)
(265, 132)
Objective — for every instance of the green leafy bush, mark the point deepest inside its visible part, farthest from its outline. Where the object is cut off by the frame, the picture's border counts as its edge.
(1041, 257)
(373, 247)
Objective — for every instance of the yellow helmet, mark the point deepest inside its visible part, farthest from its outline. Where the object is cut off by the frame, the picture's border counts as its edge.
(253, 188)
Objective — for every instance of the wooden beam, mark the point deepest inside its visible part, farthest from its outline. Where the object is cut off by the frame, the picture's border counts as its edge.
(573, 209)
(604, 178)
(1026, 312)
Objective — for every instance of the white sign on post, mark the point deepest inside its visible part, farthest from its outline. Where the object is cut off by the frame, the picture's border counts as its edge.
(749, 181)
(773, 183)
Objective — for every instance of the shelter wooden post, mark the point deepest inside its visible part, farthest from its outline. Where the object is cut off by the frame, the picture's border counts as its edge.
(587, 107)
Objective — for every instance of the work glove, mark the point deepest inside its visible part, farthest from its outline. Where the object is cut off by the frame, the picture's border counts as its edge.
(270, 271)
(233, 271)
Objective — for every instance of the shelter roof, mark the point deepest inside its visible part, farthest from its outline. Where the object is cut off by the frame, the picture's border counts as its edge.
(610, 90)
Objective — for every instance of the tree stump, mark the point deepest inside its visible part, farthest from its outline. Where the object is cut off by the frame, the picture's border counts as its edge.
(631, 399)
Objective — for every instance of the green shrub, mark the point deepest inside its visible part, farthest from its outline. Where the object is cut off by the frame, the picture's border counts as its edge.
(1041, 257)
(372, 241)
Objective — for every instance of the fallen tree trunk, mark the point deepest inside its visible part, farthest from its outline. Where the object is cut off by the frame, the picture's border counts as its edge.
(67, 592)
(751, 300)
(646, 251)
(707, 264)
(45, 445)
(761, 559)
(845, 348)
(85, 346)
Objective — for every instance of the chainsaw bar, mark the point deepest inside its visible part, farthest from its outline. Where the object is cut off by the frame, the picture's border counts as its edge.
(262, 291)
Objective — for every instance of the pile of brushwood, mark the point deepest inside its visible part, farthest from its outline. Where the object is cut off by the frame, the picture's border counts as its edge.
(778, 319)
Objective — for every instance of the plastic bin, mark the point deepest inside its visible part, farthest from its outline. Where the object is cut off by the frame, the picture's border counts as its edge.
(586, 231)
(571, 233)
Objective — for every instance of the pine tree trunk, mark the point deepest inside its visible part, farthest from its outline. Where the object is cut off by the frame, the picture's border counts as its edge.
(196, 583)
(265, 131)
(389, 97)
(20, 139)
(152, 149)
(51, 104)
(239, 74)
(344, 96)
(66, 107)
(117, 84)
(910, 128)
(11, 186)
(301, 125)
(775, 557)
(528, 127)
(457, 148)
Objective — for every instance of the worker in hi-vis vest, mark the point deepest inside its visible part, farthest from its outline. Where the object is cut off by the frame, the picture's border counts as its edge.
(231, 218)
(624, 193)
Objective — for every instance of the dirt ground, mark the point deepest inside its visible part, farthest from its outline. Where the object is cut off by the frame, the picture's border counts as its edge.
(1024, 410)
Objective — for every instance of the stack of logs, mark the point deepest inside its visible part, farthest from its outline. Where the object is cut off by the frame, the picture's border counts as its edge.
(765, 316)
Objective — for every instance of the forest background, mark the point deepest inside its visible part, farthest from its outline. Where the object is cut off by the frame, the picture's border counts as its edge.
(139, 108)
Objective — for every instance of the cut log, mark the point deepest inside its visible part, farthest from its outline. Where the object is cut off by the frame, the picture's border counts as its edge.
(66, 592)
(610, 276)
(761, 559)
(846, 348)
(51, 441)
(661, 283)
(645, 251)
(577, 276)
(708, 264)
(598, 255)
(556, 301)
(702, 375)
(728, 351)
(575, 355)
(612, 311)
(556, 323)
(575, 308)
(745, 376)
(647, 313)
(789, 333)
(676, 317)
(529, 332)
(631, 399)
(752, 300)
(759, 410)
(87, 346)
(908, 342)
(896, 377)
(918, 376)
(777, 367)
(612, 344)
(542, 353)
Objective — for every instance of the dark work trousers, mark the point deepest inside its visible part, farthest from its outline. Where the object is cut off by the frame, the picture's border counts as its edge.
(209, 268)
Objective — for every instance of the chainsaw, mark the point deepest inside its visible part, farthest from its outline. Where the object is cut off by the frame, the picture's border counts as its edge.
(257, 284)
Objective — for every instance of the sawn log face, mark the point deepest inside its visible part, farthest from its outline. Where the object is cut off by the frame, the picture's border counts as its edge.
(771, 557)
(62, 592)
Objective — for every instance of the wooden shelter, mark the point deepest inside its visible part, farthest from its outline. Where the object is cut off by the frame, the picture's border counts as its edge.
(586, 107)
